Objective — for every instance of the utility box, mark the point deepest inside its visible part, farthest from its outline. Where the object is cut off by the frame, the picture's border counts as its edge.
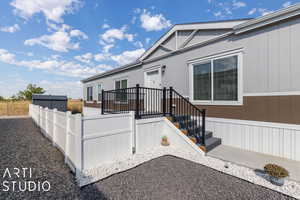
(51, 101)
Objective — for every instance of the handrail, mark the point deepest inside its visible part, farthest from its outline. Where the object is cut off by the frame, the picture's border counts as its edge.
(152, 102)
(200, 110)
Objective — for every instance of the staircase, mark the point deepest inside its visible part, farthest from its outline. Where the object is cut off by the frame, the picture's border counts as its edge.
(184, 122)
(154, 102)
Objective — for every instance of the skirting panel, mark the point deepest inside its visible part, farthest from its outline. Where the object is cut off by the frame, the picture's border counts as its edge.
(276, 139)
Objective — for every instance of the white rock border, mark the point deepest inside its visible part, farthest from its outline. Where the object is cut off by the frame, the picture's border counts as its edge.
(290, 188)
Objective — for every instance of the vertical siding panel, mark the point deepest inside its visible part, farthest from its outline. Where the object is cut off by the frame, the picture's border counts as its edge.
(287, 143)
(295, 58)
(274, 60)
(297, 146)
(284, 38)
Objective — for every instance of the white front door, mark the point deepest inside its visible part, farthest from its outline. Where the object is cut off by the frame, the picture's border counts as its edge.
(153, 97)
(153, 79)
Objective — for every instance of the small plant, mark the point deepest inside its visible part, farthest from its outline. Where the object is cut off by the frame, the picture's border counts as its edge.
(276, 171)
(165, 141)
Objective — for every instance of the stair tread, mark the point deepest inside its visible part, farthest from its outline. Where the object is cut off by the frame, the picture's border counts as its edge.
(211, 143)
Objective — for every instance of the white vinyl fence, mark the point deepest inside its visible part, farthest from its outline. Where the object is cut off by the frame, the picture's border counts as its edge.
(63, 129)
(87, 142)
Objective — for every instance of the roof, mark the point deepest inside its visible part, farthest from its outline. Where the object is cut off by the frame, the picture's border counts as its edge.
(237, 26)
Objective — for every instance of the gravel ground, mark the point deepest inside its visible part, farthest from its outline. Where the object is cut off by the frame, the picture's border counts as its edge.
(167, 177)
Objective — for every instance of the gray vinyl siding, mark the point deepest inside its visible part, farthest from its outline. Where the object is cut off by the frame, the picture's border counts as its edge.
(271, 61)
(133, 76)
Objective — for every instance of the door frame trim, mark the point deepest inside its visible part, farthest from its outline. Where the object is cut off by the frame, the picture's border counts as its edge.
(151, 69)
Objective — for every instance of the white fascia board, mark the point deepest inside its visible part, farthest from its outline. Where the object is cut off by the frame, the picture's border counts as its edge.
(268, 19)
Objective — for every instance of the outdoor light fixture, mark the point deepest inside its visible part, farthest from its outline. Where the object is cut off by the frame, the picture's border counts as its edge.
(163, 68)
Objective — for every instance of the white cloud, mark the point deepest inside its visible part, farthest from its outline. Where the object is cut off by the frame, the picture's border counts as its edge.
(116, 34)
(252, 11)
(128, 56)
(61, 40)
(105, 67)
(105, 26)
(264, 11)
(6, 57)
(148, 40)
(62, 88)
(85, 58)
(154, 22)
(107, 47)
(30, 54)
(10, 29)
(217, 14)
(138, 44)
(101, 56)
(78, 33)
(287, 4)
(52, 9)
(54, 66)
(261, 11)
(238, 4)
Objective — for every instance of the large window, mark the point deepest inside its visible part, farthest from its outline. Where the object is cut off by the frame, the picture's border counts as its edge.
(121, 94)
(216, 80)
(89, 93)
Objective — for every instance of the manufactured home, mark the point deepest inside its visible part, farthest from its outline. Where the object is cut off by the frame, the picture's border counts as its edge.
(233, 82)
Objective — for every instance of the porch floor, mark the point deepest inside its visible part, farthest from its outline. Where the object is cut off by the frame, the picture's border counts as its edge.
(255, 160)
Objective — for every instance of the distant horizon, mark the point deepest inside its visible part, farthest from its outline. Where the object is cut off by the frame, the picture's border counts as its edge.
(55, 44)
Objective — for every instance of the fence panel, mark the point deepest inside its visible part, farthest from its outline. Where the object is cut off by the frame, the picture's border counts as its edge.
(107, 138)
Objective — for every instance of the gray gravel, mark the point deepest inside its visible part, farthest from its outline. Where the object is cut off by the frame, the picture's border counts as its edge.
(21, 145)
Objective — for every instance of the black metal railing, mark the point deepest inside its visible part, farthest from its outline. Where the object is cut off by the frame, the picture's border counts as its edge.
(153, 102)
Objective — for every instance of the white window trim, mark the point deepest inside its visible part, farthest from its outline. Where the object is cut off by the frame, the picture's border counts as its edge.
(239, 53)
(121, 79)
(92, 101)
(100, 83)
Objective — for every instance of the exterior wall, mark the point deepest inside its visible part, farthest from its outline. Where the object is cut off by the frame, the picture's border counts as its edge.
(270, 65)
(201, 36)
(134, 76)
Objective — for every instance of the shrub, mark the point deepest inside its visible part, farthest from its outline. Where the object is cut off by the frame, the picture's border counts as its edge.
(276, 171)
(164, 138)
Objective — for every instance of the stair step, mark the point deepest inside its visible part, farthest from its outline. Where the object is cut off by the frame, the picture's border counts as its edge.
(181, 118)
(190, 123)
(208, 134)
(211, 143)
(193, 139)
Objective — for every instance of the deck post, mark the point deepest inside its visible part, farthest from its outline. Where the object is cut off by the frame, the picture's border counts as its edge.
(171, 100)
(203, 127)
(137, 102)
(164, 101)
(102, 102)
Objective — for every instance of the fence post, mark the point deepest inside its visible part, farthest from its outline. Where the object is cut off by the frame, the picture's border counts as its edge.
(102, 102)
(171, 100)
(164, 101)
(54, 126)
(78, 144)
(137, 102)
(67, 148)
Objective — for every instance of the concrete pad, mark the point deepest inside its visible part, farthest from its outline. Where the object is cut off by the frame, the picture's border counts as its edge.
(255, 160)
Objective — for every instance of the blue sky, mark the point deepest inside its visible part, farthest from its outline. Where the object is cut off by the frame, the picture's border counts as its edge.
(56, 43)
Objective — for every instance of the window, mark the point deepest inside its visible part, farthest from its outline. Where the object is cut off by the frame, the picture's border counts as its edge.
(121, 95)
(216, 80)
(99, 92)
(89, 93)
